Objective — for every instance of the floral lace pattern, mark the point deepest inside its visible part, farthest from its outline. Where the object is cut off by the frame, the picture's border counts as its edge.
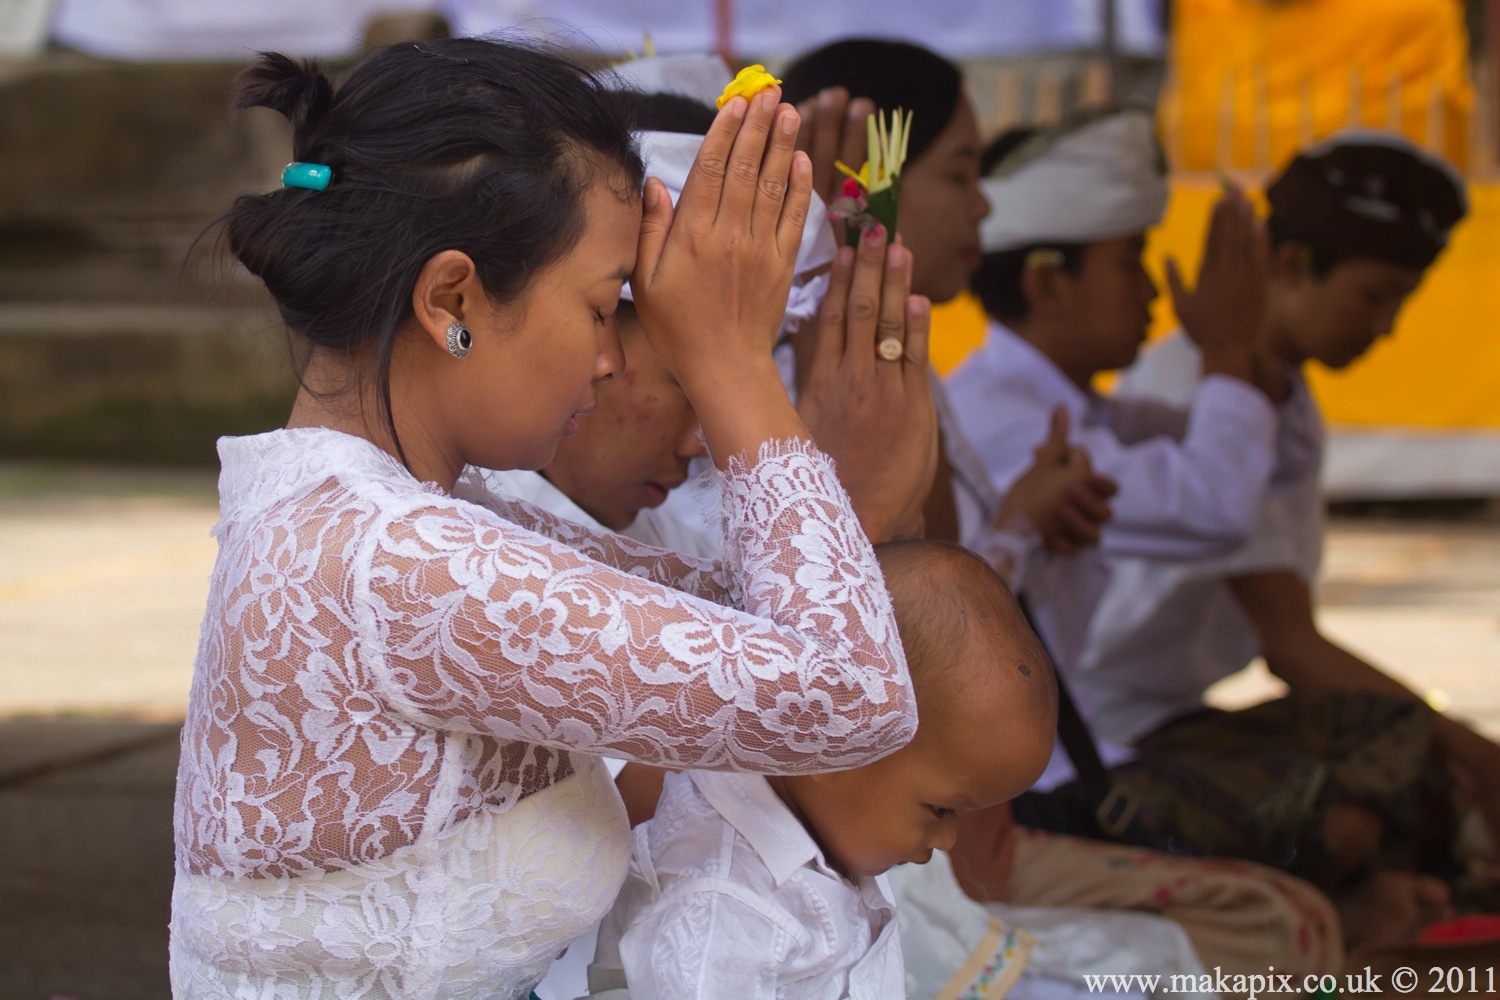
(383, 664)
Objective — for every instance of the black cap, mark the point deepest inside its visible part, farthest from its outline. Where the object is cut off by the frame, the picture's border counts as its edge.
(1369, 194)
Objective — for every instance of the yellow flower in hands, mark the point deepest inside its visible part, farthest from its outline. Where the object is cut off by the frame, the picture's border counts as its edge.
(750, 81)
(862, 175)
(886, 149)
(869, 196)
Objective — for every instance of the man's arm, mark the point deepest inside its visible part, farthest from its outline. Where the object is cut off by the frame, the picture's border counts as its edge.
(1279, 606)
(1193, 498)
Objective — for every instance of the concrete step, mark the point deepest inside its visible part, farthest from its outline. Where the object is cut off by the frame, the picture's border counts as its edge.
(126, 334)
(138, 382)
(143, 140)
(114, 260)
(112, 171)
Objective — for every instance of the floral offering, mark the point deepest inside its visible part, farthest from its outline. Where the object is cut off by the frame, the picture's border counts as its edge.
(871, 194)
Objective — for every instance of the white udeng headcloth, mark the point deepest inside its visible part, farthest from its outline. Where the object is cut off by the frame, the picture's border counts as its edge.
(1098, 176)
(669, 156)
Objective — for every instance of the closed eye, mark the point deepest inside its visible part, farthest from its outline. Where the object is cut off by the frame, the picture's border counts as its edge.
(942, 813)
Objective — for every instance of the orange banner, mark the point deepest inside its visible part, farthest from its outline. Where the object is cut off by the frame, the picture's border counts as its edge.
(1255, 80)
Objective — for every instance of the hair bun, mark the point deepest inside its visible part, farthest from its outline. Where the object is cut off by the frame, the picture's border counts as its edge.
(299, 90)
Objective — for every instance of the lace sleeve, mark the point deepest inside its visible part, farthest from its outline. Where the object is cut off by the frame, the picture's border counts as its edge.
(489, 628)
(701, 577)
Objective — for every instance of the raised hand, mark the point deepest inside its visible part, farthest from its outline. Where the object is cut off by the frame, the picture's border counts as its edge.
(1060, 495)
(833, 129)
(1224, 313)
(874, 416)
(711, 278)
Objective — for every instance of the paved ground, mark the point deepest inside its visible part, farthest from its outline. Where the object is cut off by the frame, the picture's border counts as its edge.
(1418, 597)
(85, 858)
(102, 582)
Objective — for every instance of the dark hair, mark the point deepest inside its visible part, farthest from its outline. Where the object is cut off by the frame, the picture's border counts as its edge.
(890, 73)
(669, 113)
(1374, 198)
(997, 282)
(1002, 146)
(461, 144)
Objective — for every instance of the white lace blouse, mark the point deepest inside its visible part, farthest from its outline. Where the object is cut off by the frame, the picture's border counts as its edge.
(387, 785)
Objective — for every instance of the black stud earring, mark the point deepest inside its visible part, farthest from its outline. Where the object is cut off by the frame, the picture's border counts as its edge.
(459, 340)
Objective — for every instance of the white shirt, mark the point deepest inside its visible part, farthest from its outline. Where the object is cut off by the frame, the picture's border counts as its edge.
(1167, 630)
(729, 896)
(1184, 475)
(946, 937)
(1012, 549)
(1190, 481)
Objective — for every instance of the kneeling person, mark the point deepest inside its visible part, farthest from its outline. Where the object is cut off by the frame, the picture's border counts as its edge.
(749, 886)
(1355, 224)
(1063, 281)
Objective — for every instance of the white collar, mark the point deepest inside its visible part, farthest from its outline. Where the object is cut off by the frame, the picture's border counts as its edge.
(280, 463)
(747, 803)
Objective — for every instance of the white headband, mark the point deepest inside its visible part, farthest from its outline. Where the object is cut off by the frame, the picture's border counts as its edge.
(669, 157)
(1078, 183)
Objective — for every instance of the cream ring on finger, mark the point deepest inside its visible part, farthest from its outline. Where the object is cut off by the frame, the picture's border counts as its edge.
(890, 349)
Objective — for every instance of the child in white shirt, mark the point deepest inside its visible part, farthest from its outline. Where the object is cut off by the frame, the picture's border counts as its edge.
(744, 886)
(1063, 281)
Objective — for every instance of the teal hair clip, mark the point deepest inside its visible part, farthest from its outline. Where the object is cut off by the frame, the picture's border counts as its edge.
(312, 176)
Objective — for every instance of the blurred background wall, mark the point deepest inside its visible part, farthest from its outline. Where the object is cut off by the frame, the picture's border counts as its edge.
(124, 337)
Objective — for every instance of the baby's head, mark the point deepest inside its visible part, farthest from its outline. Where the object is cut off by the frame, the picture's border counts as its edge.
(987, 706)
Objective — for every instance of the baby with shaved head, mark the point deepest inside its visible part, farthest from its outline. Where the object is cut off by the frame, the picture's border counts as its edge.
(987, 708)
(745, 885)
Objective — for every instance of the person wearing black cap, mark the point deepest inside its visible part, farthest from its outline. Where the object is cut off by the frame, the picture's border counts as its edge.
(1355, 223)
